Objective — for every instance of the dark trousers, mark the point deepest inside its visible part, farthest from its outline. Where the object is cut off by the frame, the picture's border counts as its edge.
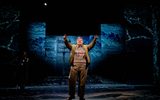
(77, 71)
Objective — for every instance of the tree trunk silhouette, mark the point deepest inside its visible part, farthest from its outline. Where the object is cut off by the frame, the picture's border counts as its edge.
(156, 76)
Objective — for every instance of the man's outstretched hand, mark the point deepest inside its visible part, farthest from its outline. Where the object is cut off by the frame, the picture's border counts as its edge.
(65, 36)
(95, 36)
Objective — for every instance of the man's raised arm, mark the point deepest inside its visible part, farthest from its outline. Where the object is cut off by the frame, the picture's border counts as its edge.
(92, 43)
(68, 45)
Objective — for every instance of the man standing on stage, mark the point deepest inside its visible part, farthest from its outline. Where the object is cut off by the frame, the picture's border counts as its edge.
(22, 70)
(79, 60)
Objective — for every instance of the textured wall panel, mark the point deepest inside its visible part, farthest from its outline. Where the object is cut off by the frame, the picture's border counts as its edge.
(55, 52)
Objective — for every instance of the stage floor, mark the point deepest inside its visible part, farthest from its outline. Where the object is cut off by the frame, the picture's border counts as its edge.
(93, 92)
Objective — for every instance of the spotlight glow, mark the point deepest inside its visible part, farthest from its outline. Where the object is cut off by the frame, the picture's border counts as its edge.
(45, 4)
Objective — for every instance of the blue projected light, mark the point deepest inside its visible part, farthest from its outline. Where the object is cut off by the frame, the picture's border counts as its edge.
(53, 50)
(36, 38)
(111, 38)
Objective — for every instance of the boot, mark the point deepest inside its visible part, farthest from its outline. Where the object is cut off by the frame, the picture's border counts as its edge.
(81, 98)
(81, 92)
(71, 97)
(71, 93)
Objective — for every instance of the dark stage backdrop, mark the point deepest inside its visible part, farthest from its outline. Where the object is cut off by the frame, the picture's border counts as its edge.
(118, 54)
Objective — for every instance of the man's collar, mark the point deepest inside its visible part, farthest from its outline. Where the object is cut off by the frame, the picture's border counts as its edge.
(79, 45)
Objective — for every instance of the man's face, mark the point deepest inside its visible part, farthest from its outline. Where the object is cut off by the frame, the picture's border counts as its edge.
(79, 41)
